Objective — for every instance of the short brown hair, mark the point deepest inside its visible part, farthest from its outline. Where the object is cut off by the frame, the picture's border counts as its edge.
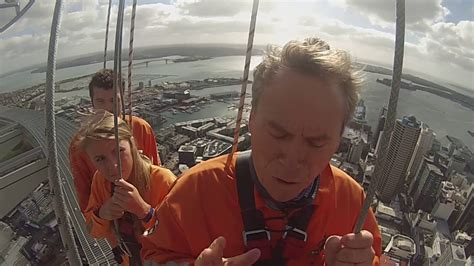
(313, 56)
(103, 79)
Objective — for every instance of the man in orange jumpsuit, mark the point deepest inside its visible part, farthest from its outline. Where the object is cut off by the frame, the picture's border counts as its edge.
(281, 204)
(102, 94)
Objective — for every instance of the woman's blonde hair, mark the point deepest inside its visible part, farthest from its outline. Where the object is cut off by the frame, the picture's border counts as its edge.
(313, 56)
(100, 126)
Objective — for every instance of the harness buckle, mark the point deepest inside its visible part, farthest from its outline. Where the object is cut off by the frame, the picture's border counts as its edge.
(254, 233)
(297, 233)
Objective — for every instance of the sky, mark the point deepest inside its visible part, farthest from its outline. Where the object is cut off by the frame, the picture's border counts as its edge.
(438, 41)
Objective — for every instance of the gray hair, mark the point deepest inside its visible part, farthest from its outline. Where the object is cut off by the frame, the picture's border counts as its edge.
(313, 56)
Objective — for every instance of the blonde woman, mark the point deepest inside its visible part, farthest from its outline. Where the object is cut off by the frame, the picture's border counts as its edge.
(130, 196)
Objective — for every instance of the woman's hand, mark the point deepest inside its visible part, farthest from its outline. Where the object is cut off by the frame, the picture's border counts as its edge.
(111, 210)
(127, 197)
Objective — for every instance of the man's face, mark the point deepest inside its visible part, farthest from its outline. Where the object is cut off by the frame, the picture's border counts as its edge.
(295, 129)
(104, 99)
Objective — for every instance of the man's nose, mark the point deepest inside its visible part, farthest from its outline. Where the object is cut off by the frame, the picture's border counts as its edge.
(294, 155)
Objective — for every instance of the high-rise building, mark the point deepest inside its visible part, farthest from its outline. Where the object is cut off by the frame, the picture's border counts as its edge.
(456, 163)
(465, 221)
(360, 111)
(426, 192)
(423, 145)
(380, 124)
(443, 209)
(187, 155)
(469, 248)
(419, 239)
(355, 152)
(398, 155)
(444, 205)
(451, 255)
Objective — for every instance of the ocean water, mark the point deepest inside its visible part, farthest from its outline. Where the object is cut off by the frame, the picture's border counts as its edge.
(442, 115)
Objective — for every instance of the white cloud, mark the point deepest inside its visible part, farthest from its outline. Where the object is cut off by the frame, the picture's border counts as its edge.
(419, 14)
(213, 8)
(440, 48)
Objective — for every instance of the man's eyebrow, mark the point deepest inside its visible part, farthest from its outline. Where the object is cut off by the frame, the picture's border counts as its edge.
(276, 126)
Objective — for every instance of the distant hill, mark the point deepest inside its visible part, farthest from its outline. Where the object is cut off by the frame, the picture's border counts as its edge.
(412, 78)
(158, 51)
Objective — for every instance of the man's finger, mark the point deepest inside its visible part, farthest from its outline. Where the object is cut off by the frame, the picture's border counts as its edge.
(217, 246)
(213, 254)
(364, 239)
(248, 258)
(331, 247)
(355, 256)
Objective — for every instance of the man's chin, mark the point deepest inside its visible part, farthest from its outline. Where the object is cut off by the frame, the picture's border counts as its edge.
(283, 196)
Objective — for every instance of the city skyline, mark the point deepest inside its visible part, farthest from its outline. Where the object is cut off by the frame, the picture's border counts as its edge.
(438, 39)
(424, 201)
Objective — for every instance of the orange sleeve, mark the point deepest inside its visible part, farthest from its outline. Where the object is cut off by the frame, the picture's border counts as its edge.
(162, 181)
(145, 139)
(98, 227)
(81, 175)
(150, 146)
(167, 233)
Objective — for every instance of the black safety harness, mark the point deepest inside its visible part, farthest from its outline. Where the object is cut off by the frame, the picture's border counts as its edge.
(257, 235)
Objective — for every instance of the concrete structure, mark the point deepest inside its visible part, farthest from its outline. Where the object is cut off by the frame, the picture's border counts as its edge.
(443, 209)
(176, 141)
(6, 235)
(400, 149)
(355, 153)
(19, 176)
(379, 128)
(424, 221)
(451, 255)
(444, 205)
(187, 155)
(426, 192)
(216, 148)
(10, 136)
(469, 248)
(401, 247)
(423, 145)
(461, 238)
(457, 164)
(465, 221)
(360, 112)
(97, 251)
(420, 253)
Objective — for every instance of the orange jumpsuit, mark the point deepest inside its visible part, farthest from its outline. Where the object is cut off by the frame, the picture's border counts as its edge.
(203, 205)
(161, 180)
(83, 170)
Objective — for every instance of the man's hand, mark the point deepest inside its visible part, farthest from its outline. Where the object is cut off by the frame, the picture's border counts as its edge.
(127, 196)
(111, 210)
(213, 256)
(350, 249)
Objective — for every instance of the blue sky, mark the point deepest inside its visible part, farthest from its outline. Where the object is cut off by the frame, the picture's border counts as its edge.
(439, 34)
(459, 10)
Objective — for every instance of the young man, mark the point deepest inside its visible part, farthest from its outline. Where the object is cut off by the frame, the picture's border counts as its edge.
(282, 204)
(102, 94)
